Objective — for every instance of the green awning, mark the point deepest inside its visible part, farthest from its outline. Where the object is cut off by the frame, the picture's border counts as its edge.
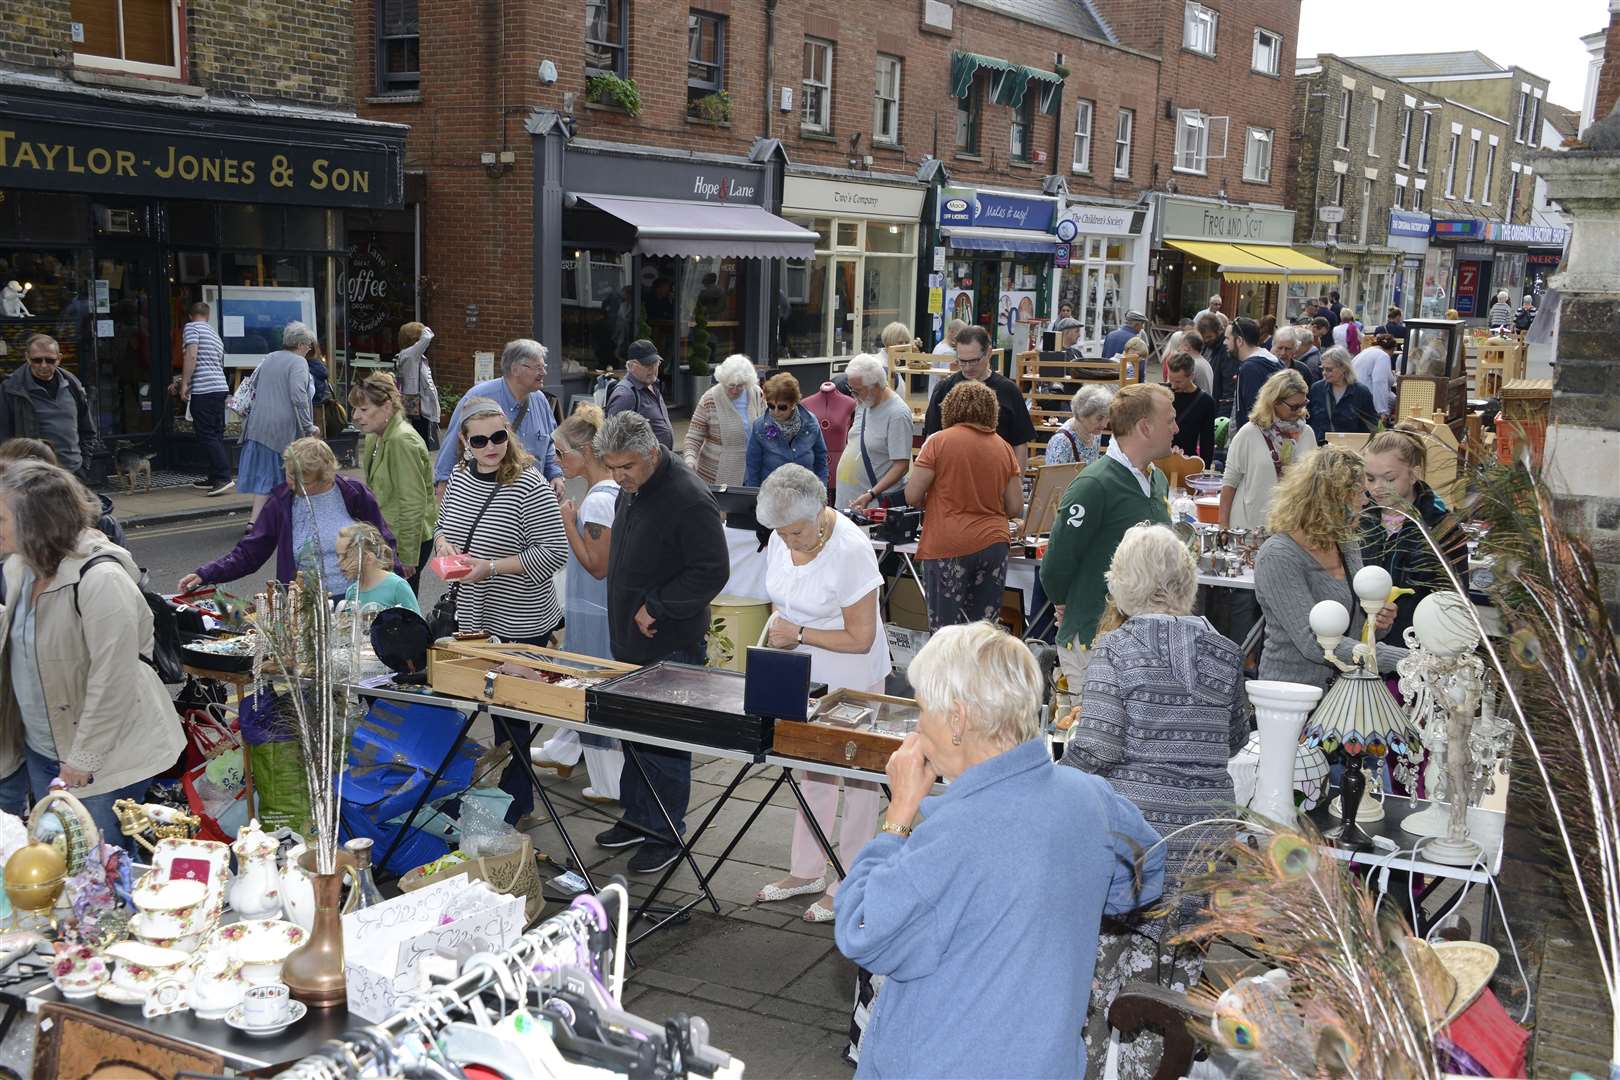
(1008, 82)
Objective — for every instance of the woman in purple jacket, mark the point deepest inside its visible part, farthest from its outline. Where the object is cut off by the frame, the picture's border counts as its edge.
(300, 526)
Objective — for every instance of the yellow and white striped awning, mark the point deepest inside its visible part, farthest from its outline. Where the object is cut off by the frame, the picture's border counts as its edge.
(1267, 263)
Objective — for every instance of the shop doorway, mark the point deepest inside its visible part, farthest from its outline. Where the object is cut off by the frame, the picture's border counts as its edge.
(133, 358)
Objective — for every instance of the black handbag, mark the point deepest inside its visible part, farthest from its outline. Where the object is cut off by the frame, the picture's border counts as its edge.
(442, 621)
(896, 496)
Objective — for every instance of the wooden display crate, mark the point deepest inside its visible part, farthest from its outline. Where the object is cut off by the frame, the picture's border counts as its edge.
(466, 669)
(857, 747)
(1498, 366)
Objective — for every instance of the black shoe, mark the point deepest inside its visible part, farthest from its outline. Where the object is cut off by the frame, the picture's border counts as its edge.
(653, 857)
(203, 485)
(620, 836)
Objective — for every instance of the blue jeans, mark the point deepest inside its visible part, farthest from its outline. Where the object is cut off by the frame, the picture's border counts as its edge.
(14, 792)
(42, 770)
(670, 772)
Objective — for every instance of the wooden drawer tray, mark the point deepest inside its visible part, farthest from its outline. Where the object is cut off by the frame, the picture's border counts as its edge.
(466, 669)
(864, 744)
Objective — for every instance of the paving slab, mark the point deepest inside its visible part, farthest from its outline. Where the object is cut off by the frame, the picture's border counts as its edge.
(744, 955)
(829, 984)
(770, 1047)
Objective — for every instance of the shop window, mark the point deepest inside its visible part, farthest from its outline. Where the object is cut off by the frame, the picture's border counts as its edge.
(892, 239)
(310, 229)
(705, 62)
(1347, 100)
(191, 223)
(55, 300)
(1021, 132)
(1199, 28)
(249, 225)
(597, 311)
(969, 110)
(1192, 141)
(1267, 52)
(1124, 127)
(399, 60)
(1257, 156)
(1082, 136)
(44, 217)
(607, 46)
(816, 114)
(886, 101)
(862, 278)
(140, 37)
(1096, 286)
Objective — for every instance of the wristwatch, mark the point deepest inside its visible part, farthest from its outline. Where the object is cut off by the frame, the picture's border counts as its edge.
(901, 831)
(801, 635)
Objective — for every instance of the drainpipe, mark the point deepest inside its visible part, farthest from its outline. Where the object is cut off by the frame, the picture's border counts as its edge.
(770, 57)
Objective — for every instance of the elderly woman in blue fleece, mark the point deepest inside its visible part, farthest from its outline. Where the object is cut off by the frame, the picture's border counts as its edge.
(982, 980)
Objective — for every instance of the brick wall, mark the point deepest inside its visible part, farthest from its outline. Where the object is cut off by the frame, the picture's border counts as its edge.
(34, 34)
(1608, 88)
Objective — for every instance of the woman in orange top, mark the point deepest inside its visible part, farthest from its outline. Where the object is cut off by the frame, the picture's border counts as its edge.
(968, 483)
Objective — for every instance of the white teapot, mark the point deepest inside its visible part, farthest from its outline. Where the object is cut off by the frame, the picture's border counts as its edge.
(217, 984)
(256, 892)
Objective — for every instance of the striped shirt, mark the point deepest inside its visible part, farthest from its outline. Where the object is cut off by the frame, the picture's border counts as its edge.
(208, 377)
(523, 520)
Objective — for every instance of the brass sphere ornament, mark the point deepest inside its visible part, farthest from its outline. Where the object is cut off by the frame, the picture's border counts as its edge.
(34, 878)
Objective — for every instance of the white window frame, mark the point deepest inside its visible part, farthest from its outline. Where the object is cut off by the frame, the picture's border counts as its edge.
(1490, 171)
(1085, 116)
(1269, 62)
(890, 136)
(1346, 102)
(1524, 108)
(1513, 193)
(1404, 156)
(1195, 122)
(1124, 130)
(1400, 191)
(1420, 188)
(1473, 163)
(1366, 210)
(1263, 138)
(1530, 135)
(1423, 143)
(1338, 200)
(823, 121)
(1372, 128)
(1451, 164)
(135, 67)
(1196, 20)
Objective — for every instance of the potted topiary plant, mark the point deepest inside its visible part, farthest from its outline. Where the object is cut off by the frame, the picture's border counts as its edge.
(699, 352)
(605, 88)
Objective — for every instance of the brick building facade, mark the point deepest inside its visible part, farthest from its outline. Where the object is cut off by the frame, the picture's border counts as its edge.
(160, 154)
(478, 84)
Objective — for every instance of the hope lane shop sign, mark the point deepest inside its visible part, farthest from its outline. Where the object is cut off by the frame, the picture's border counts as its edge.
(714, 180)
(1184, 219)
(102, 160)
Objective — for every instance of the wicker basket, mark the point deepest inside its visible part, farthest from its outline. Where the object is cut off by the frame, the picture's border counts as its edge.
(512, 874)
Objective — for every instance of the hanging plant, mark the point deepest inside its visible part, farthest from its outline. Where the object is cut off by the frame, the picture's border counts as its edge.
(715, 107)
(605, 88)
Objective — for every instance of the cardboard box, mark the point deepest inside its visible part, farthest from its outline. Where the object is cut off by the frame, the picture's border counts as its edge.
(907, 607)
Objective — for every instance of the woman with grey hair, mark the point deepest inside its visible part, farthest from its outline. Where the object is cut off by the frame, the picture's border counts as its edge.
(1080, 437)
(878, 454)
(717, 439)
(79, 701)
(1338, 402)
(282, 410)
(957, 911)
(1161, 714)
(823, 580)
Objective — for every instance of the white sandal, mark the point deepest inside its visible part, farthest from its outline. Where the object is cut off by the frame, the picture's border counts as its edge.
(819, 913)
(773, 892)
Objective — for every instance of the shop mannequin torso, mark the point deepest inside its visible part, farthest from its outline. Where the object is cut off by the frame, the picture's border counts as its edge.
(835, 411)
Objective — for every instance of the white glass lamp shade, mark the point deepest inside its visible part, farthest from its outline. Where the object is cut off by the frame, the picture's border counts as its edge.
(1330, 619)
(1444, 625)
(1372, 584)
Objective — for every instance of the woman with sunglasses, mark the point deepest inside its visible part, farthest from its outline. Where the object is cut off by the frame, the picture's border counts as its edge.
(1275, 437)
(499, 510)
(787, 433)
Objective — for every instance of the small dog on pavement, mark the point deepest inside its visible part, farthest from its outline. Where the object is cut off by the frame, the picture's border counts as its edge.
(134, 468)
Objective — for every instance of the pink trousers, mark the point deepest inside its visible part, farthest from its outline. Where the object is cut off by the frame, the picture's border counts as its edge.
(859, 825)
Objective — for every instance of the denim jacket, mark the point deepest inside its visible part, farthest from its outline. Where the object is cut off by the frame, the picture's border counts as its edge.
(769, 449)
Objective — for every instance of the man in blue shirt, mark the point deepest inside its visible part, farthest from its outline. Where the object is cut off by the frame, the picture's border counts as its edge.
(1114, 343)
(517, 391)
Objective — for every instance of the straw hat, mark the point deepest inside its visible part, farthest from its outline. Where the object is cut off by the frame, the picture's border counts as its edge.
(1451, 974)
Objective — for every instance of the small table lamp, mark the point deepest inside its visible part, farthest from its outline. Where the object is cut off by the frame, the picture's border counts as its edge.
(1358, 715)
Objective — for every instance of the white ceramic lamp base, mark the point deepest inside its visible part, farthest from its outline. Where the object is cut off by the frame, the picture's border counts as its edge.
(1450, 852)
(1430, 821)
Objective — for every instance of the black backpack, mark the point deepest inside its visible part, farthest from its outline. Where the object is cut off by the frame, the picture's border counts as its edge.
(165, 658)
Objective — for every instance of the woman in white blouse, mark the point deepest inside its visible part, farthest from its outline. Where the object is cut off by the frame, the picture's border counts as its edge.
(823, 581)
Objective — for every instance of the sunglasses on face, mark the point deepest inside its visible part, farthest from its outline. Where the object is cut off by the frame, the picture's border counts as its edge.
(44, 361)
(783, 406)
(478, 442)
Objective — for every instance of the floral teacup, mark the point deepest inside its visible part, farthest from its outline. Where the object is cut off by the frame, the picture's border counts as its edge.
(78, 971)
(140, 965)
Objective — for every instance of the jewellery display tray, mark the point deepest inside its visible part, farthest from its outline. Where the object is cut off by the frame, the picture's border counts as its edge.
(850, 728)
(466, 669)
(682, 702)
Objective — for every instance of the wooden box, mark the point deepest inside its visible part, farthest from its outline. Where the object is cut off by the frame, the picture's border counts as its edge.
(865, 744)
(466, 669)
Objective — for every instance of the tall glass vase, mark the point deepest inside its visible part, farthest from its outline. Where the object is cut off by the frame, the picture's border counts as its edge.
(314, 973)
(1280, 709)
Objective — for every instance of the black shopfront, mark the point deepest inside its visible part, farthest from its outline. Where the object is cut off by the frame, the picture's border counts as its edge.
(118, 212)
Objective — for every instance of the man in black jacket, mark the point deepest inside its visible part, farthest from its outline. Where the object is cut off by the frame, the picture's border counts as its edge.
(668, 558)
(1223, 365)
(42, 400)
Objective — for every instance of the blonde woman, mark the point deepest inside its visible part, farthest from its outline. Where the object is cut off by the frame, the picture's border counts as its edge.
(365, 558)
(499, 510)
(302, 514)
(1136, 354)
(1313, 555)
(717, 439)
(1275, 437)
(397, 468)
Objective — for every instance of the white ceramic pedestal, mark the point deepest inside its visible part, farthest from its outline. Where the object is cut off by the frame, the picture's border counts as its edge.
(1280, 709)
(1450, 852)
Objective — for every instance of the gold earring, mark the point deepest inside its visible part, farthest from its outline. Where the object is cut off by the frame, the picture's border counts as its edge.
(956, 739)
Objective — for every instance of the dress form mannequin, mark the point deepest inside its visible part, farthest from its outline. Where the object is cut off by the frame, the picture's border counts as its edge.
(836, 411)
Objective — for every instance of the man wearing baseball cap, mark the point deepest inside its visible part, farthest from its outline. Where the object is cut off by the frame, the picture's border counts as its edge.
(638, 391)
(1114, 343)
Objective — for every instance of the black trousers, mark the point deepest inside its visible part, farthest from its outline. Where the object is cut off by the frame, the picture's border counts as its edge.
(208, 421)
(427, 429)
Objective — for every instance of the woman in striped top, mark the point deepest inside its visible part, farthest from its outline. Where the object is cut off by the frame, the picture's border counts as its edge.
(501, 511)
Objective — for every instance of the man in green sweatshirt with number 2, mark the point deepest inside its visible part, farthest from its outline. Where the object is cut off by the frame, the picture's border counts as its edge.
(1120, 489)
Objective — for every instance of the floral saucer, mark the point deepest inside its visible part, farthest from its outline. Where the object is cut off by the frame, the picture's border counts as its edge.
(118, 995)
(295, 1012)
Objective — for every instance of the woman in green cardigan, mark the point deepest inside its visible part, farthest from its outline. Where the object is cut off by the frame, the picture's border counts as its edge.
(397, 470)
